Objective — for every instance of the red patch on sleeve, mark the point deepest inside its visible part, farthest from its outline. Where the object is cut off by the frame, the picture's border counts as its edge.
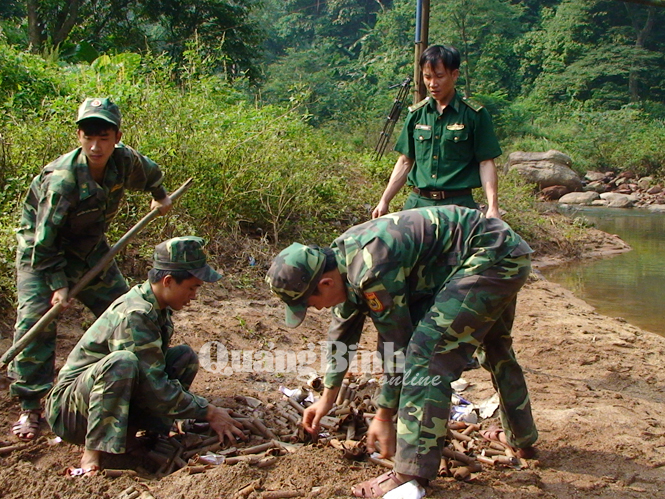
(374, 303)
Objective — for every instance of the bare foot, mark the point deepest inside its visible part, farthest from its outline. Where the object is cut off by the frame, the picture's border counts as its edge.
(90, 464)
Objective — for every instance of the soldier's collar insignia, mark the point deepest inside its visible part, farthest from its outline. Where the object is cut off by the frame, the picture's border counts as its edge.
(374, 303)
(455, 126)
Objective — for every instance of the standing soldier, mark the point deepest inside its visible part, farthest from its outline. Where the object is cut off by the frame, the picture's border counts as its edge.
(123, 375)
(447, 144)
(62, 235)
(438, 283)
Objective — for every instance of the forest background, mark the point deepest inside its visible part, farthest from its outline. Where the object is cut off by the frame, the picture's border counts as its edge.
(275, 107)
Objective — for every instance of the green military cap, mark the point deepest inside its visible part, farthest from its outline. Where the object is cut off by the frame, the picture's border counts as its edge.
(102, 109)
(293, 276)
(184, 253)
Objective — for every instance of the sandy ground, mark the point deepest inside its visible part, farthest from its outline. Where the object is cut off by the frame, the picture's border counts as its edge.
(596, 386)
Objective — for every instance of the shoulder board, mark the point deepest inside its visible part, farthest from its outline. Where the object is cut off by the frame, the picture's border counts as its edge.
(472, 104)
(418, 105)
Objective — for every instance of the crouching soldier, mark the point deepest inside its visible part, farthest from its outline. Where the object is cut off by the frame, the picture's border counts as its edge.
(123, 375)
(438, 283)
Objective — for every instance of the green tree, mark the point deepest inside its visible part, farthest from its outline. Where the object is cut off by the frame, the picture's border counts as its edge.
(82, 29)
(596, 54)
(484, 31)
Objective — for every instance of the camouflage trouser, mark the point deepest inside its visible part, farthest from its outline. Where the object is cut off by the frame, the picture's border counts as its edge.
(34, 367)
(108, 398)
(469, 313)
(416, 201)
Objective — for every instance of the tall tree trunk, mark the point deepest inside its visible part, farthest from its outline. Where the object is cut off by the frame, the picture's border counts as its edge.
(35, 36)
(66, 22)
(642, 34)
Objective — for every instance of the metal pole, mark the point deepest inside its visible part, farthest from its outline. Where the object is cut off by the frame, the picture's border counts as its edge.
(420, 44)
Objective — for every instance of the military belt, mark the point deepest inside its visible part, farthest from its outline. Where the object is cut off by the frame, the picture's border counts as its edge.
(441, 194)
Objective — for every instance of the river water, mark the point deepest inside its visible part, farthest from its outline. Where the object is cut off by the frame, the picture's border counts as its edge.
(630, 285)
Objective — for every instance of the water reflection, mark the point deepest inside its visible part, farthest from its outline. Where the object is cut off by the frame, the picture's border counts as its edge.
(630, 285)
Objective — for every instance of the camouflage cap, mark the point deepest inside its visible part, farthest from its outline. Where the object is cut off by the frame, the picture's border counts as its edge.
(184, 253)
(102, 109)
(293, 276)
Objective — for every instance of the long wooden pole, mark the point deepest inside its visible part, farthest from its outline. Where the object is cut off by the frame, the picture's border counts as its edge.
(54, 311)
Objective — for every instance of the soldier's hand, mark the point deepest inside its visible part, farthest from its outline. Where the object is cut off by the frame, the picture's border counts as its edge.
(493, 213)
(224, 425)
(163, 205)
(380, 210)
(61, 297)
(312, 416)
(382, 431)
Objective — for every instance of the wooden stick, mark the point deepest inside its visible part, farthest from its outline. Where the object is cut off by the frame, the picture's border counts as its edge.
(381, 462)
(247, 490)
(464, 472)
(296, 405)
(451, 454)
(459, 436)
(282, 494)
(471, 428)
(117, 473)
(267, 432)
(11, 448)
(258, 448)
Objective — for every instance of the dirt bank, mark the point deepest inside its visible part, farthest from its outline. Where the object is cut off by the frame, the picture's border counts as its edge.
(596, 386)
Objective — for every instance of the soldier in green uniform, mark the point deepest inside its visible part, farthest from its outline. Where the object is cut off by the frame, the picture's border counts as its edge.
(447, 144)
(66, 214)
(438, 283)
(123, 374)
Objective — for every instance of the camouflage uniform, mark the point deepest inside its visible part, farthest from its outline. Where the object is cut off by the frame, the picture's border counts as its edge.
(122, 372)
(439, 283)
(61, 236)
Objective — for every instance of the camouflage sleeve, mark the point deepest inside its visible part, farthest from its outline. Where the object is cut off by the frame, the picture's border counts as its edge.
(164, 396)
(390, 314)
(144, 174)
(47, 256)
(343, 335)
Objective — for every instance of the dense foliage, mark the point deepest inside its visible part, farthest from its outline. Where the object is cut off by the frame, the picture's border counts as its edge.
(274, 106)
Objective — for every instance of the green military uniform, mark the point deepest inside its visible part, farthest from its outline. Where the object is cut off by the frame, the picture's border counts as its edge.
(438, 283)
(447, 149)
(122, 372)
(61, 236)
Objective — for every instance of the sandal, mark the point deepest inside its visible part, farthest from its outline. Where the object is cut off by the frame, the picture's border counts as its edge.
(27, 426)
(496, 434)
(372, 488)
(73, 472)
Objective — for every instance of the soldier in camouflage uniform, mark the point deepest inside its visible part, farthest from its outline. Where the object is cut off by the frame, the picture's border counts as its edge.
(438, 283)
(447, 145)
(66, 214)
(123, 375)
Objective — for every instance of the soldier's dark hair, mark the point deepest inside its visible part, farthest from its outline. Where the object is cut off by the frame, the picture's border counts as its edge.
(445, 54)
(93, 127)
(155, 275)
(330, 264)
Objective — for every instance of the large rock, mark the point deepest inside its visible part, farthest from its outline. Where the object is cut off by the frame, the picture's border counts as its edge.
(592, 176)
(617, 200)
(657, 208)
(644, 183)
(612, 197)
(585, 198)
(596, 186)
(554, 192)
(545, 169)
